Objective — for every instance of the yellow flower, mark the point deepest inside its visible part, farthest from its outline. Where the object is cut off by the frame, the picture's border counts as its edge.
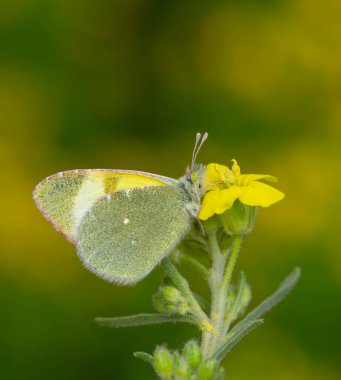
(225, 186)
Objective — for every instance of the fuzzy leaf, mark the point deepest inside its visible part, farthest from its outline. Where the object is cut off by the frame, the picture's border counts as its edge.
(234, 337)
(144, 356)
(242, 299)
(143, 320)
(286, 286)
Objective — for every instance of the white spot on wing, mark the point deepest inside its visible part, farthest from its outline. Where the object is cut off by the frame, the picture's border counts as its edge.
(91, 190)
(126, 221)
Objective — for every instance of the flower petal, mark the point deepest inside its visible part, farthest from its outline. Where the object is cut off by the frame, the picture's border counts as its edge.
(245, 179)
(216, 174)
(227, 198)
(218, 201)
(260, 194)
(208, 204)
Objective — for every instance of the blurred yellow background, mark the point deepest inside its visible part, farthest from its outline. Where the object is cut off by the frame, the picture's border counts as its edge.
(126, 84)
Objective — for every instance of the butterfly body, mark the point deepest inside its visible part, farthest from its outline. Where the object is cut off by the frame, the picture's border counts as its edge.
(122, 222)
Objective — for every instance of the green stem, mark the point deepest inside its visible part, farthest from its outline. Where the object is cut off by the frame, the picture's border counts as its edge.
(214, 280)
(182, 284)
(219, 281)
(237, 241)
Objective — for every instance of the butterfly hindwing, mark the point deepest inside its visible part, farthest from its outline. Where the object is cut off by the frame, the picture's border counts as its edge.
(125, 235)
(64, 198)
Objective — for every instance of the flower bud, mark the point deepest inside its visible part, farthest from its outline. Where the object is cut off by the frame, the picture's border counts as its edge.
(208, 370)
(181, 368)
(163, 363)
(171, 294)
(192, 353)
(239, 219)
(161, 306)
(170, 300)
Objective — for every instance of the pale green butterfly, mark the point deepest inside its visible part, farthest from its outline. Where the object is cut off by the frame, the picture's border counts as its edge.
(123, 222)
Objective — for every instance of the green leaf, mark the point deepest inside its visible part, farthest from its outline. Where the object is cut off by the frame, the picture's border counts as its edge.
(144, 356)
(234, 337)
(144, 319)
(286, 286)
(242, 299)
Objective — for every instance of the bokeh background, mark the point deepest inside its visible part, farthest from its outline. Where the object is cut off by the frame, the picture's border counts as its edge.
(126, 84)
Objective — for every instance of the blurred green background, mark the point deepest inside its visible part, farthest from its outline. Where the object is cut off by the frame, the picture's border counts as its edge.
(126, 84)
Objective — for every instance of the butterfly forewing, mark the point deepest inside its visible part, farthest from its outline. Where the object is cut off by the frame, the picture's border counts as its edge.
(123, 237)
(65, 198)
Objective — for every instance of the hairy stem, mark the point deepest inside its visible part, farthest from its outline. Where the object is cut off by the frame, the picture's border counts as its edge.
(182, 284)
(223, 264)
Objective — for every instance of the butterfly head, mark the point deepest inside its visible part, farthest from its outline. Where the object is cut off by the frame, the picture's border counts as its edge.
(195, 178)
(193, 185)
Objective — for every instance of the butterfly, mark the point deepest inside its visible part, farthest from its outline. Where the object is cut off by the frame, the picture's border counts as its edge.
(123, 222)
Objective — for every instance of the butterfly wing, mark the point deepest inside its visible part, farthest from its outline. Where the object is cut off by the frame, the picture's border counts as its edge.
(124, 236)
(64, 198)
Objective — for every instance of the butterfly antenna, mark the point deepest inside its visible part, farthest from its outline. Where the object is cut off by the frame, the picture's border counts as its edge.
(197, 139)
(198, 145)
